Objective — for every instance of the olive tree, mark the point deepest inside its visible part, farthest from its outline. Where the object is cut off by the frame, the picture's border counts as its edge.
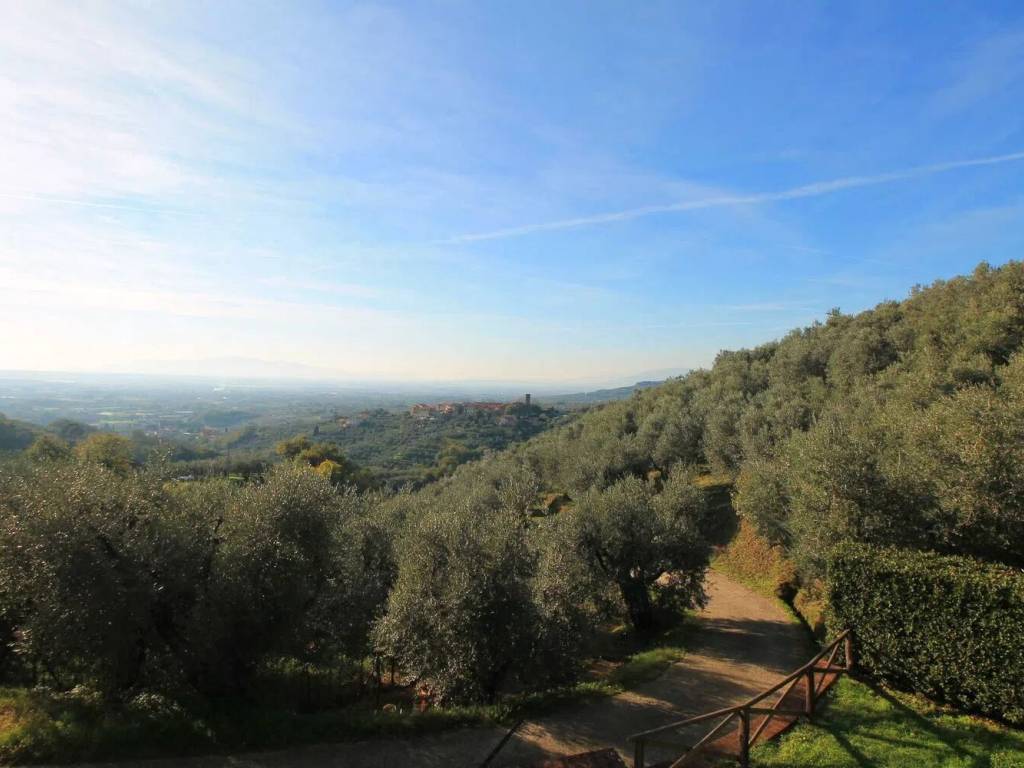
(87, 558)
(461, 612)
(482, 596)
(362, 572)
(760, 496)
(632, 534)
(268, 564)
(107, 449)
(133, 581)
(570, 600)
(969, 448)
(48, 448)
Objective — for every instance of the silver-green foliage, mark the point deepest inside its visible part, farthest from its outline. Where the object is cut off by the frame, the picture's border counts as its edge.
(130, 580)
(633, 534)
(480, 602)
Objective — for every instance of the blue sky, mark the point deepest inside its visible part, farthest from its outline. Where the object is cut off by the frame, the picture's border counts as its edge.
(490, 190)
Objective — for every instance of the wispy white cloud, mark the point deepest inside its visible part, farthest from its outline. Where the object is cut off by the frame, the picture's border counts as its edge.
(321, 286)
(987, 68)
(100, 109)
(40, 293)
(83, 203)
(815, 189)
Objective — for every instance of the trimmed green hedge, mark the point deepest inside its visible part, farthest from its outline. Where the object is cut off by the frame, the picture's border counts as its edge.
(951, 628)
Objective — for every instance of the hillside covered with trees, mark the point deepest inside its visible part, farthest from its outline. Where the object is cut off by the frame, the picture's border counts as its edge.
(900, 426)
(396, 448)
(392, 448)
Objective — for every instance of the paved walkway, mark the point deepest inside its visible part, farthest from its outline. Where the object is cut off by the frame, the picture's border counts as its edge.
(744, 643)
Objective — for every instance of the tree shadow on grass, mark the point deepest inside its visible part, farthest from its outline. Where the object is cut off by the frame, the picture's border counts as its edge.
(938, 735)
(858, 757)
(925, 723)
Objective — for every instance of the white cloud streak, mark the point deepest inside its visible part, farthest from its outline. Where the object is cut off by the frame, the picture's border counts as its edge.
(815, 189)
(91, 204)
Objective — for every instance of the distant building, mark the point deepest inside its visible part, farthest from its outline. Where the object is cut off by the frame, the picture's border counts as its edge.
(426, 410)
(527, 398)
(482, 406)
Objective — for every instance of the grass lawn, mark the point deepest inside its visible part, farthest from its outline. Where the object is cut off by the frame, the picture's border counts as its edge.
(864, 727)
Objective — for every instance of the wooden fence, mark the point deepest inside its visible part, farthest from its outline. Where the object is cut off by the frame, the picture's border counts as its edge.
(800, 692)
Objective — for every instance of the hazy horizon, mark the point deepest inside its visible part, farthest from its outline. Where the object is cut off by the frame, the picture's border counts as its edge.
(281, 373)
(482, 192)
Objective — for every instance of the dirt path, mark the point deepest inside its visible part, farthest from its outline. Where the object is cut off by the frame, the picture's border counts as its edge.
(744, 643)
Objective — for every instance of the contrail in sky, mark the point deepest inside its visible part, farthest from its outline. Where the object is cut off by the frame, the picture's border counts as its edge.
(815, 189)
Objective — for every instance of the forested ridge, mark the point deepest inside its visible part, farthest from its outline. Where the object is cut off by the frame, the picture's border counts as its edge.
(394, 448)
(902, 425)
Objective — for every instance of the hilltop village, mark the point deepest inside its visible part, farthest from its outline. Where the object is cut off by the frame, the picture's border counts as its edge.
(508, 413)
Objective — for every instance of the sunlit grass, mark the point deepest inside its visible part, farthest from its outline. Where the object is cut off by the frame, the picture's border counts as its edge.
(862, 727)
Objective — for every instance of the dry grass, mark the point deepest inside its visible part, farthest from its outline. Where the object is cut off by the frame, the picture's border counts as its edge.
(752, 561)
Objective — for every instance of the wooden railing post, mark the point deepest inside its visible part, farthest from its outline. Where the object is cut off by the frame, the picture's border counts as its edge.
(809, 694)
(824, 663)
(744, 738)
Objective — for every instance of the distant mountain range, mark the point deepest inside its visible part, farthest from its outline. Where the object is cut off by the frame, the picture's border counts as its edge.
(253, 372)
(235, 367)
(599, 395)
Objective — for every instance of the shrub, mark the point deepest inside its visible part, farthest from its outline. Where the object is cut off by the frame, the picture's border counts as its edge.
(809, 604)
(951, 628)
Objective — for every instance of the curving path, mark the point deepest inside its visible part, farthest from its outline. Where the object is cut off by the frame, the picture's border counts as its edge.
(744, 643)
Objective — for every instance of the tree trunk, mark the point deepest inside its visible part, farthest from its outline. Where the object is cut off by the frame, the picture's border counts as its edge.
(638, 603)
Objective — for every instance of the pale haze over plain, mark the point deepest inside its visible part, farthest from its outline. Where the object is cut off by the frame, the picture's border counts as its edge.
(518, 191)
